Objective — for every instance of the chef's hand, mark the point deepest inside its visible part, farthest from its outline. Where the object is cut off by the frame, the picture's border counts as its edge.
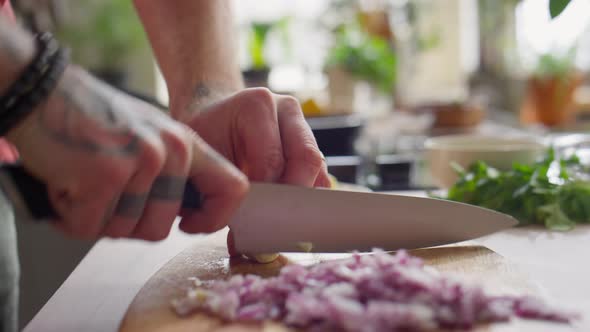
(265, 135)
(116, 166)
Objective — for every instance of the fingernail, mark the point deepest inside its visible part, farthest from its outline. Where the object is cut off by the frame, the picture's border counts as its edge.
(231, 248)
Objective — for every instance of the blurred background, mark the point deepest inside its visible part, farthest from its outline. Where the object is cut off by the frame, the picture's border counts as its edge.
(375, 78)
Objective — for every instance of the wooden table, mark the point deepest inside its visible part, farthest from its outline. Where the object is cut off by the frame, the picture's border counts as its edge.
(97, 293)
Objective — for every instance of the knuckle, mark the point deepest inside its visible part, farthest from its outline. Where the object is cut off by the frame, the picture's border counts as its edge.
(262, 95)
(240, 186)
(312, 156)
(274, 161)
(177, 145)
(260, 99)
(291, 105)
(152, 158)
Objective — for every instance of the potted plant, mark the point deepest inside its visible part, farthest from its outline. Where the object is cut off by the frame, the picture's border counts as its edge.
(358, 56)
(549, 97)
(257, 74)
(102, 35)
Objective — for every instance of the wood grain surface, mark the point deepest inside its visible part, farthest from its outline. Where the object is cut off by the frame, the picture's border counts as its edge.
(208, 260)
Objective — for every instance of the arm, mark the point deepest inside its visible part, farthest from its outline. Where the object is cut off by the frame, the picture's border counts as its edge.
(114, 165)
(194, 44)
(262, 133)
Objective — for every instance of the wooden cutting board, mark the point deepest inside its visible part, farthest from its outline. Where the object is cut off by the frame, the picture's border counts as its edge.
(150, 311)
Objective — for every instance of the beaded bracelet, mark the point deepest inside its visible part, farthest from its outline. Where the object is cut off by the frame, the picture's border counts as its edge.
(35, 83)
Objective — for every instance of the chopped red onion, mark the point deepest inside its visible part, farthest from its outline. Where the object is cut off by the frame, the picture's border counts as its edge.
(376, 292)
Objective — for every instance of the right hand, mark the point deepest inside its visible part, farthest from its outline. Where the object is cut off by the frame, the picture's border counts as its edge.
(117, 166)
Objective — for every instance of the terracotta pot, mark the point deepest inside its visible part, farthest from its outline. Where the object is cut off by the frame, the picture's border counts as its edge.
(550, 101)
(376, 23)
(341, 87)
(256, 77)
(454, 115)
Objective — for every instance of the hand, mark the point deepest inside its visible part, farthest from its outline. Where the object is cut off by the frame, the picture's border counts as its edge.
(265, 135)
(116, 166)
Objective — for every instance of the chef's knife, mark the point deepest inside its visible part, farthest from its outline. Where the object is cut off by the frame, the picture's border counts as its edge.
(282, 218)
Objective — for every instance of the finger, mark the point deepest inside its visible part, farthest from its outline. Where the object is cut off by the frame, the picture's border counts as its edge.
(123, 218)
(167, 189)
(222, 185)
(323, 178)
(303, 159)
(133, 197)
(257, 127)
(161, 208)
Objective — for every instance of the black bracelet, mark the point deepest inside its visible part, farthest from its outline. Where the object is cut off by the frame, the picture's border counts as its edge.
(34, 84)
(47, 47)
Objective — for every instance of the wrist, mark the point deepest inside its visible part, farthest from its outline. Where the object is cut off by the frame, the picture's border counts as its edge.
(185, 103)
(32, 88)
(21, 133)
(12, 70)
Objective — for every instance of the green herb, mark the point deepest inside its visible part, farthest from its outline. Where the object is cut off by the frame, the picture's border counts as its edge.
(545, 192)
(556, 7)
(555, 65)
(257, 41)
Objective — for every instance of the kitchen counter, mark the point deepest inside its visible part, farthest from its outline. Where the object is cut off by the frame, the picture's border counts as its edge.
(98, 292)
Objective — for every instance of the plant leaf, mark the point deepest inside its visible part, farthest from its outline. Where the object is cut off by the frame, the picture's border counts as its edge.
(526, 192)
(556, 7)
(457, 168)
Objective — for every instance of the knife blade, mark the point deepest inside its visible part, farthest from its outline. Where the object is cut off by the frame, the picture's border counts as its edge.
(283, 218)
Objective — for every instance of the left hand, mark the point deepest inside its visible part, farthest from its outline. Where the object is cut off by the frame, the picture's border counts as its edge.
(265, 135)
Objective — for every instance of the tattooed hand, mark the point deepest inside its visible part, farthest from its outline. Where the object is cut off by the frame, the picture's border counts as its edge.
(263, 134)
(116, 166)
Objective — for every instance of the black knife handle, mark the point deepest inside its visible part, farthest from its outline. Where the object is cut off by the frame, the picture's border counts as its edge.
(33, 193)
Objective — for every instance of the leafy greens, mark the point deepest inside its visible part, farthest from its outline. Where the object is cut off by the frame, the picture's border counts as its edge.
(546, 192)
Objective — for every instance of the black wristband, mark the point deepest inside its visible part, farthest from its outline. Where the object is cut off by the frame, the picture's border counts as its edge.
(34, 84)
